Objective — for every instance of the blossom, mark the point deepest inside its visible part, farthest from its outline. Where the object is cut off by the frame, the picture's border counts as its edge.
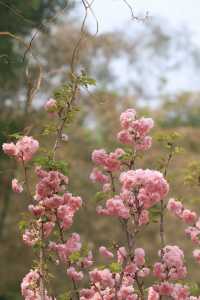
(30, 286)
(172, 265)
(150, 186)
(74, 275)
(24, 149)
(139, 257)
(73, 244)
(134, 131)
(189, 217)
(98, 176)
(16, 186)
(10, 149)
(196, 254)
(127, 117)
(176, 207)
(152, 294)
(103, 277)
(114, 207)
(105, 252)
(51, 106)
(30, 237)
(110, 161)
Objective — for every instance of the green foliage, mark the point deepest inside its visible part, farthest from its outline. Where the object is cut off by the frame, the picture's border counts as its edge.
(115, 267)
(65, 296)
(100, 196)
(79, 255)
(22, 225)
(49, 164)
(84, 80)
(192, 174)
(154, 213)
(75, 257)
(194, 288)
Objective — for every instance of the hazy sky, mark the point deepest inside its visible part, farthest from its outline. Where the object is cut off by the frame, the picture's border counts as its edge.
(113, 14)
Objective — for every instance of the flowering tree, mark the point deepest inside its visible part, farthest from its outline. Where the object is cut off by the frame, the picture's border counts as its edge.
(127, 193)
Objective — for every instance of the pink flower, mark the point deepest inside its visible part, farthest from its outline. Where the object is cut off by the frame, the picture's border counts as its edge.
(103, 277)
(105, 252)
(51, 106)
(98, 176)
(196, 254)
(88, 260)
(16, 186)
(121, 254)
(152, 294)
(10, 149)
(139, 257)
(127, 117)
(26, 148)
(72, 245)
(176, 207)
(150, 185)
(36, 210)
(159, 270)
(30, 237)
(125, 293)
(135, 130)
(114, 207)
(165, 288)
(180, 292)
(189, 217)
(74, 275)
(99, 156)
(110, 162)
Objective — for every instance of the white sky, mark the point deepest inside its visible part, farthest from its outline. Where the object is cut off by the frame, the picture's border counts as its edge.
(115, 14)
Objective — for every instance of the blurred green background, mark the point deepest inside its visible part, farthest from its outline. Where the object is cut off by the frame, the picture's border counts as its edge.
(138, 67)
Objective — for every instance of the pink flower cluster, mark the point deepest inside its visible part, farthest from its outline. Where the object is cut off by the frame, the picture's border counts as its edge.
(105, 284)
(30, 286)
(172, 265)
(52, 201)
(110, 162)
(189, 217)
(64, 252)
(24, 149)
(141, 189)
(147, 187)
(134, 131)
(175, 291)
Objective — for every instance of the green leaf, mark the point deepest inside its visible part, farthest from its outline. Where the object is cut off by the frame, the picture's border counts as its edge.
(100, 196)
(22, 225)
(49, 164)
(75, 257)
(115, 267)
